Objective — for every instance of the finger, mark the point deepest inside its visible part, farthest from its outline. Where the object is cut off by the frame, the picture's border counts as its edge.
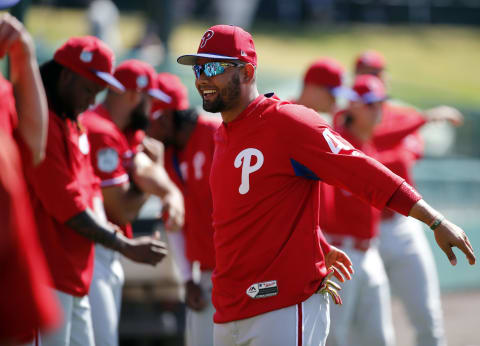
(346, 261)
(345, 272)
(450, 255)
(156, 235)
(159, 252)
(337, 274)
(467, 251)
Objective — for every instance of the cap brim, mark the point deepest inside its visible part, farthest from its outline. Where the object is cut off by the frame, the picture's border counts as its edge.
(159, 95)
(191, 59)
(342, 91)
(111, 81)
(373, 98)
(8, 3)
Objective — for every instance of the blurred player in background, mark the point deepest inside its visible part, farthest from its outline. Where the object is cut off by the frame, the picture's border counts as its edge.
(404, 248)
(26, 303)
(189, 142)
(115, 131)
(66, 195)
(271, 257)
(322, 85)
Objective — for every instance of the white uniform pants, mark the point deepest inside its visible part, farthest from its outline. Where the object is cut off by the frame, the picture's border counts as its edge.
(304, 324)
(199, 324)
(365, 317)
(106, 296)
(413, 277)
(76, 329)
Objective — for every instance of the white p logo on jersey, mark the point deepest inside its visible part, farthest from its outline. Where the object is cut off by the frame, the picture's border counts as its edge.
(244, 159)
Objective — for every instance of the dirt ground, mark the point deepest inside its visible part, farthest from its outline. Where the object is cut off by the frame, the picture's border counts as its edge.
(461, 313)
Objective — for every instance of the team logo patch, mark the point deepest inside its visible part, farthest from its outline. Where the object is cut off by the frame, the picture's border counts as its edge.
(107, 160)
(83, 144)
(206, 36)
(86, 56)
(263, 289)
(142, 81)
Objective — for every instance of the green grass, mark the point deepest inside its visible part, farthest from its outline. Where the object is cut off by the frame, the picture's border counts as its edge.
(427, 64)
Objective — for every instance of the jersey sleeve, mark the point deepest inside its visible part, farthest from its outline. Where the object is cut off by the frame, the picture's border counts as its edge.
(53, 181)
(107, 160)
(317, 152)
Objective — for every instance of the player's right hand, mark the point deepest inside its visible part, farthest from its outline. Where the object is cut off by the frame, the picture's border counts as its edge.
(449, 235)
(173, 212)
(148, 250)
(339, 261)
(14, 39)
(194, 297)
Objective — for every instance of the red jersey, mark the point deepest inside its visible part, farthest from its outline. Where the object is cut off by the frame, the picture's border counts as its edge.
(8, 116)
(190, 170)
(343, 213)
(62, 186)
(111, 151)
(265, 189)
(27, 302)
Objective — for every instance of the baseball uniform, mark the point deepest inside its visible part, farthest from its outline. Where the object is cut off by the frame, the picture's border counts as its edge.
(352, 225)
(190, 170)
(62, 186)
(403, 245)
(112, 157)
(8, 118)
(265, 188)
(26, 298)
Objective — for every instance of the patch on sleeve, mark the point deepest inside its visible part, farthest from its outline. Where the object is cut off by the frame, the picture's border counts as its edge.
(263, 289)
(107, 160)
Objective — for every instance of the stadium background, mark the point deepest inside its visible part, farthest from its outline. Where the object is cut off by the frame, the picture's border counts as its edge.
(432, 51)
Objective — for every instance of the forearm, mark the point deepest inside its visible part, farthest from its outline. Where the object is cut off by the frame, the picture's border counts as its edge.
(31, 104)
(424, 212)
(154, 179)
(87, 225)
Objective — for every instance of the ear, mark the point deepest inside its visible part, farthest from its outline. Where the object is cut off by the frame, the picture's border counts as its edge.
(248, 73)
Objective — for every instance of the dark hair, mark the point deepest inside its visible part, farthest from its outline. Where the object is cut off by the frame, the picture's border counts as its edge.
(187, 116)
(50, 72)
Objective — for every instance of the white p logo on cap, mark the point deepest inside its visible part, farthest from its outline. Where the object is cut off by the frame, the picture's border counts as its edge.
(86, 56)
(142, 81)
(206, 36)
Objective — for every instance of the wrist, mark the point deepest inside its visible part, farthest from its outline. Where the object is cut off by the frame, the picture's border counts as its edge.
(437, 221)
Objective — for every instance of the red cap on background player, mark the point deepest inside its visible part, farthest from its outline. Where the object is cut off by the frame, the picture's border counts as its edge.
(369, 89)
(372, 59)
(91, 58)
(140, 76)
(328, 73)
(226, 42)
(175, 89)
(7, 3)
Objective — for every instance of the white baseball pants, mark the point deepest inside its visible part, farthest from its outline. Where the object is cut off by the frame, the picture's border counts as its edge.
(304, 324)
(106, 296)
(413, 276)
(76, 329)
(199, 324)
(365, 317)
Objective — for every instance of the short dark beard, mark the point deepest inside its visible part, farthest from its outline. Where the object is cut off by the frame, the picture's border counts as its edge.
(227, 97)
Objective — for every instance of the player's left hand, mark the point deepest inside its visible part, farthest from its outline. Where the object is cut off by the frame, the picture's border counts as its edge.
(449, 235)
(173, 211)
(153, 149)
(194, 297)
(445, 113)
(340, 263)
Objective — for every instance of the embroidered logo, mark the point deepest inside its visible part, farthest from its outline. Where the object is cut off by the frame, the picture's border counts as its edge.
(206, 36)
(244, 159)
(86, 56)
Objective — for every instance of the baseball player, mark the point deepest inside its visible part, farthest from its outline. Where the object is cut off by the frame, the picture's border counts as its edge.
(271, 256)
(65, 192)
(26, 303)
(322, 84)
(403, 247)
(189, 142)
(112, 127)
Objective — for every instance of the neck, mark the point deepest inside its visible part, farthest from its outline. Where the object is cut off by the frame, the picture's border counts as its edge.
(362, 134)
(233, 113)
(118, 112)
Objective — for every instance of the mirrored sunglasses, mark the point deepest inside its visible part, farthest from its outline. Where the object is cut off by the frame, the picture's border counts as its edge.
(212, 68)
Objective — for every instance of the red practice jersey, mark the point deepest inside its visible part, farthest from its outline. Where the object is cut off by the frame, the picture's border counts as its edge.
(343, 213)
(8, 116)
(265, 189)
(190, 170)
(26, 301)
(62, 186)
(111, 151)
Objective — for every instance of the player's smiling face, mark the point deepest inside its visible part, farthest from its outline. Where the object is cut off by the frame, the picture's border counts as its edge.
(221, 92)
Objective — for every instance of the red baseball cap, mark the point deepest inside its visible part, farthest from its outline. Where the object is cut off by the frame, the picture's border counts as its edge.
(369, 89)
(328, 73)
(174, 88)
(140, 76)
(224, 42)
(7, 3)
(371, 58)
(89, 57)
